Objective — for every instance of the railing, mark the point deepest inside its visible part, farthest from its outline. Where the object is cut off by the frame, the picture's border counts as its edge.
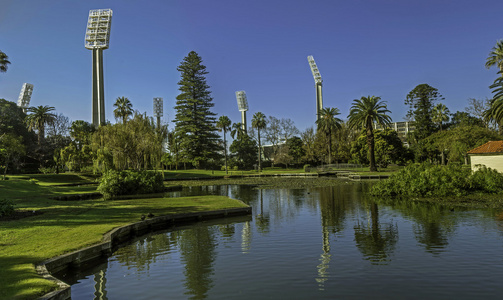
(335, 167)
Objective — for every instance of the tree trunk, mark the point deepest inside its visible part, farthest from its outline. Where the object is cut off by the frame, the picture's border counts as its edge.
(259, 151)
(329, 147)
(225, 151)
(370, 142)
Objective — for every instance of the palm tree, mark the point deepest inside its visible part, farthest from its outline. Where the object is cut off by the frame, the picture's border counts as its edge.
(363, 114)
(124, 109)
(495, 111)
(237, 130)
(328, 123)
(440, 114)
(38, 117)
(3, 62)
(224, 124)
(259, 122)
(496, 56)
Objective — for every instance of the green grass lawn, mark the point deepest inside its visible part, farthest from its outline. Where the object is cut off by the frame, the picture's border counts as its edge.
(65, 226)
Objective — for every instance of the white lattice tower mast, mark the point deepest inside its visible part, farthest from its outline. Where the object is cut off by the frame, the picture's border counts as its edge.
(243, 107)
(97, 39)
(318, 82)
(25, 96)
(158, 110)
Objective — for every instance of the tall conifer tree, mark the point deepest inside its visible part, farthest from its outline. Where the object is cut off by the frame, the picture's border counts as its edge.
(194, 121)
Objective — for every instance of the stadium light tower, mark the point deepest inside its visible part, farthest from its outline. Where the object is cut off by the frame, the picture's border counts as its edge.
(25, 96)
(158, 110)
(97, 38)
(318, 84)
(243, 107)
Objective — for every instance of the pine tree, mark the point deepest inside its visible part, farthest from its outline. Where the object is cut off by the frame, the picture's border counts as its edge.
(194, 121)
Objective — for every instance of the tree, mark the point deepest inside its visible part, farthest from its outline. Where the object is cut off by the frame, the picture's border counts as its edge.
(11, 148)
(3, 62)
(421, 100)
(477, 108)
(243, 152)
(273, 135)
(308, 137)
(124, 109)
(237, 130)
(59, 126)
(327, 124)
(295, 148)
(194, 121)
(224, 124)
(39, 117)
(363, 114)
(259, 122)
(388, 148)
(440, 114)
(495, 57)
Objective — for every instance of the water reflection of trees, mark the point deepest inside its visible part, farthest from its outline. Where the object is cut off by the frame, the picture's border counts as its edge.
(375, 241)
(433, 223)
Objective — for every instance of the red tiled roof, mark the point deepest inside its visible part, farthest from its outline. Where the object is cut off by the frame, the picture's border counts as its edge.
(489, 147)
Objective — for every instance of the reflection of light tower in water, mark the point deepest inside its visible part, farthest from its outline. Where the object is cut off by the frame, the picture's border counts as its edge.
(25, 96)
(243, 107)
(97, 38)
(158, 110)
(318, 84)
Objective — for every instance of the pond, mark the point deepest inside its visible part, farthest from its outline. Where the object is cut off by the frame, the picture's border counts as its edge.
(319, 243)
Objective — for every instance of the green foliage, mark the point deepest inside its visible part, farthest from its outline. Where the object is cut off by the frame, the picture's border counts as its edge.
(124, 109)
(4, 61)
(195, 129)
(420, 101)
(388, 148)
(425, 180)
(306, 167)
(6, 207)
(328, 123)
(243, 152)
(115, 183)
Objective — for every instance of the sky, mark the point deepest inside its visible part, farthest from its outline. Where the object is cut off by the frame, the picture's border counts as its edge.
(362, 48)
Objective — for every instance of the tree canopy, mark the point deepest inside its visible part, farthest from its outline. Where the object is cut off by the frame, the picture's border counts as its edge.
(194, 121)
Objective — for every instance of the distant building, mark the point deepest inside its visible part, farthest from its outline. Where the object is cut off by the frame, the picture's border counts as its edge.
(490, 155)
(402, 128)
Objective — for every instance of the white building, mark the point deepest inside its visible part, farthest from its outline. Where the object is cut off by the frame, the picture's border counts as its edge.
(490, 155)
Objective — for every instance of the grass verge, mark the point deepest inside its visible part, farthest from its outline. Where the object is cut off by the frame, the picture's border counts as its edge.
(66, 226)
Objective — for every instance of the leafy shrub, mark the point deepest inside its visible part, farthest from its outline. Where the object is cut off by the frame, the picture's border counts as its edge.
(115, 183)
(425, 180)
(307, 168)
(6, 207)
(49, 170)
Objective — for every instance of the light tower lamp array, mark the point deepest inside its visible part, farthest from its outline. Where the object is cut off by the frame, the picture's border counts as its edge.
(97, 39)
(25, 96)
(158, 110)
(242, 106)
(318, 82)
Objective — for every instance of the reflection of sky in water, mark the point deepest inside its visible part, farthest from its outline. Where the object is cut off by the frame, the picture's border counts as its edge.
(318, 243)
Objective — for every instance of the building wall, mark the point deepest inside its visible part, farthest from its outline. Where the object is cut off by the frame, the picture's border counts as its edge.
(490, 161)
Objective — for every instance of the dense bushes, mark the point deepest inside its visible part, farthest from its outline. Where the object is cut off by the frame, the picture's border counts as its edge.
(114, 183)
(6, 207)
(425, 180)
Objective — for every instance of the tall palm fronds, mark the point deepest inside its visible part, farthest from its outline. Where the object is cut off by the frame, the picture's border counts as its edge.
(3, 62)
(440, 114)
(496, 56)
(259, 122)
(124, 109)
(495, 111)
(329, 123)
(363, 114)
(224, 124)
(38, 117)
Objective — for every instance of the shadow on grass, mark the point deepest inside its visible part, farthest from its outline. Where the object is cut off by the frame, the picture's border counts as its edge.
(19, 276)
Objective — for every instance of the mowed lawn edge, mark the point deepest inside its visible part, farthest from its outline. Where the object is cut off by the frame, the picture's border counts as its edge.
(66, 226)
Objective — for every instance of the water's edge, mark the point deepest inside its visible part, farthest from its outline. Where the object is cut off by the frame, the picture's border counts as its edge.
(116, 237)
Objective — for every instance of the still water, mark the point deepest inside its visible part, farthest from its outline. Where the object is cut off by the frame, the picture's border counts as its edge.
(319, 243)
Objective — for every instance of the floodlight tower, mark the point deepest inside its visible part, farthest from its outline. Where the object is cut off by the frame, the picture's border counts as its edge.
(97, 38)
(25, 96)
(318, 84)
(158, 110)
(243, 107)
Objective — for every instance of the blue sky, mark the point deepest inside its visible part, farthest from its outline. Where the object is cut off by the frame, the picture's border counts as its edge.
(362, 47)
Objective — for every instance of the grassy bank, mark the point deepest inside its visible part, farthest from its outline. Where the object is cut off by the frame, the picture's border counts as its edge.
(64, 226)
